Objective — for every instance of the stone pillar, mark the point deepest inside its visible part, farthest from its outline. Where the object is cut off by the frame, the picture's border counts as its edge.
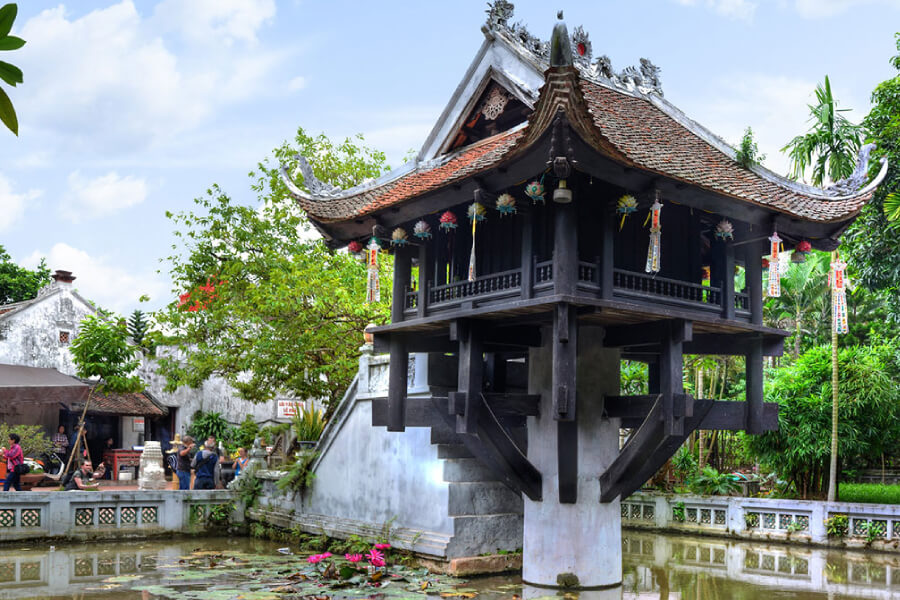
(151, 474)
(579, 544)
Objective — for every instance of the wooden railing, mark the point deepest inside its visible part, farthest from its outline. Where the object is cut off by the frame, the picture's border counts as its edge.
(495, 282)
(587, 272)
(543, 272)
(412, 300)
(741, 301)
(678, 291)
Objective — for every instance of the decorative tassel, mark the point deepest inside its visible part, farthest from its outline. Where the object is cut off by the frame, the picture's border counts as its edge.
(422, 230)
(625, 206)
(653, 251)
(535, 191)
(399, 237)
(838, 282)
(472, 253)
(373, 293)
(774, 270)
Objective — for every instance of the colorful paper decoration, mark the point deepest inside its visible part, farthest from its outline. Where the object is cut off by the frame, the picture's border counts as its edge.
(354, 247)
(373, 293)
(506, 204)
(448, 221)
(725, 230)
(626, 205)
(707, 274)
(399, 237)
(653, 251)
(838, 281)
(422, 230)
(774, 266)
(477, 212)
(535, 191)
(804, 247)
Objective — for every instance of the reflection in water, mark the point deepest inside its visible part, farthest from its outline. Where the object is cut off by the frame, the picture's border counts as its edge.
(656, 567)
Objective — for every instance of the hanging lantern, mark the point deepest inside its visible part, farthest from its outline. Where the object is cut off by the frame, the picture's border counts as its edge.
(477, 212)
(535, 191)
(626, 205)
(765, 263)
(800, 252)
(774, 266)
(354, 247)
(448, 221)
(422, 230)
(724, 230)
(653, 251)
(506, 204)
(562, 194)
(373, 294)
(399, 237)
(838, 281)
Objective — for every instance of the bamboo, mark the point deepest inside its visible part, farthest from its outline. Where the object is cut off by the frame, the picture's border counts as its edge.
(80, 433)
(832, 472)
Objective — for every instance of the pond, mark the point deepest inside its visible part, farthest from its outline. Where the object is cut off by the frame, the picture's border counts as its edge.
(656, 567)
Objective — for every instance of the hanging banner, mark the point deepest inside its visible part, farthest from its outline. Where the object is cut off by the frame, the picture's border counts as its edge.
(774, 271)
(653, 251)
(373, 293)
(838, 282)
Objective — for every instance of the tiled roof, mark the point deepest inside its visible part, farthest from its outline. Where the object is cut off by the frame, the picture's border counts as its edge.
(123, 404)
(629, 128)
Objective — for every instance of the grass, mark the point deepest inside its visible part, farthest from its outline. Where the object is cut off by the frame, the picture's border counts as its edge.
(875, 493)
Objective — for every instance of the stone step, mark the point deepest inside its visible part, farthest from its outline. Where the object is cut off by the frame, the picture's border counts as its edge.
(466, 470)
(481, 534)
(482, 498)
(453, 451)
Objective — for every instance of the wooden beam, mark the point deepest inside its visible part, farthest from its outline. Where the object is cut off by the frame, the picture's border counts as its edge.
(507, 405)
(397, 385)
(527, 255)
(640, 446)
(671, 377)
(722, 344)
(471, 377)
(753, 278)
(420, 412)
(650, 333)
(638, 406)
(727, 283)
(729, 416)
(565, 343)
(425, 266)
(607, 246)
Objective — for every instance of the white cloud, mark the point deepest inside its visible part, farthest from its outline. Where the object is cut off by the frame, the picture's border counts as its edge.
(12, 204)
(101, 196)
(116, 82)
(111, 287)
(816, 9)
(297, 83)
(732, 9)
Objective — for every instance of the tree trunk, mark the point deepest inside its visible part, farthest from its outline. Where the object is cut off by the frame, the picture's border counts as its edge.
(832, 472)
(797, 330)
(80, 434)
(699, 386)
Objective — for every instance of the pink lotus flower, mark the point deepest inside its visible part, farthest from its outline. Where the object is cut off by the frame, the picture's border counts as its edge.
(354, 558)
(375, 557)
(383, 546)
(315, 558)
(325, 555)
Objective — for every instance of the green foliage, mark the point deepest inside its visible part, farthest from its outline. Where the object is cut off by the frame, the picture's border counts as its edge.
(308, 423)
(871, 243)
(248, 489)
(747, 154)
(33, 440)
(352, 545)
(633, 376)
(804, 306)
(712, 483)
(678, 512)
(220, 515)
(138, 326)
(837, 526)
(869, 405)
(264, 302)
(245, 433)
(18, 283)
(300, 476)
(684, 463)
(830, 146)
(205, 424)
(875, 493)
(101, 349)
(9, 73)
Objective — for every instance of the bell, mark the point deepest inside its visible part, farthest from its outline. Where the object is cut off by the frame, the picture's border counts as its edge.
(562, 194)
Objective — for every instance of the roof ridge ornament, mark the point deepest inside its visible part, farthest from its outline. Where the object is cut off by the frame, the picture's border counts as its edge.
(316, 186)
(857, 178)
(560, 44)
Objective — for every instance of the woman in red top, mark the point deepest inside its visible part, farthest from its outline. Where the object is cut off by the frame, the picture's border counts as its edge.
(14, 457)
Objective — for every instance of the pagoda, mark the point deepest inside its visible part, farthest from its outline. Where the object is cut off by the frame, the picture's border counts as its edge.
(562, 217)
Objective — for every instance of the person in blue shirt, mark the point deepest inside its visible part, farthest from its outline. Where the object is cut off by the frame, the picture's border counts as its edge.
(204, 465)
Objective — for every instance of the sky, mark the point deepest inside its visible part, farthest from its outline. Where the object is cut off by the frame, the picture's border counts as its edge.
(133, 108)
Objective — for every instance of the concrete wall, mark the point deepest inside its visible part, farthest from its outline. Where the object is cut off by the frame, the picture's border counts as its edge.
(106, 514)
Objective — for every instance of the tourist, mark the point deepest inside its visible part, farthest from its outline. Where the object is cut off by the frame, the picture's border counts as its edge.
(14, 458)
(183, 466)
(61, 443)
(107, 458)
(205, 463)
(240, 463)
(83, 478)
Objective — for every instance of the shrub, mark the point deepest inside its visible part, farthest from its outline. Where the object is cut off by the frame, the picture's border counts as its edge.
(246, 432)
(204, 425)
(710, 482)
(875, 493)
(837, 526)
(747, 154)
(33, 440)
(308, 423)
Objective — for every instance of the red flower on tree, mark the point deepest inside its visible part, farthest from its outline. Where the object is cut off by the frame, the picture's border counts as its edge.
(200, 297)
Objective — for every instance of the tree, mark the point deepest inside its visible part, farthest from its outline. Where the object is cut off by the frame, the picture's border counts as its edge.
(101, 351)
(803, 304)
(262, 303)
(869, 399)
(138, 326)
(871, 243)
(18, 283)
(831, 144)
(9, 73)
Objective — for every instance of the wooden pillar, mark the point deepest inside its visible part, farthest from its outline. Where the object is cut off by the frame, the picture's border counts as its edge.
(565, 249)
(754, 376)
(653, 377)
(402, 274)
(565, 343)
(753, 277)
(424, 280)
(527, 255)
(727, 280)
(607, 256)
(397, 378)
(671, 375)
(465, 402)
(495, 371)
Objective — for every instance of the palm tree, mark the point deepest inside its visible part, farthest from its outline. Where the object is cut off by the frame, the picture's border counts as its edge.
(804, 299)
(829, 147)
(831, 144)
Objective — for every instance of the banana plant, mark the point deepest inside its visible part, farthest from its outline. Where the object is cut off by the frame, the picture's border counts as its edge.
(11, 74)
